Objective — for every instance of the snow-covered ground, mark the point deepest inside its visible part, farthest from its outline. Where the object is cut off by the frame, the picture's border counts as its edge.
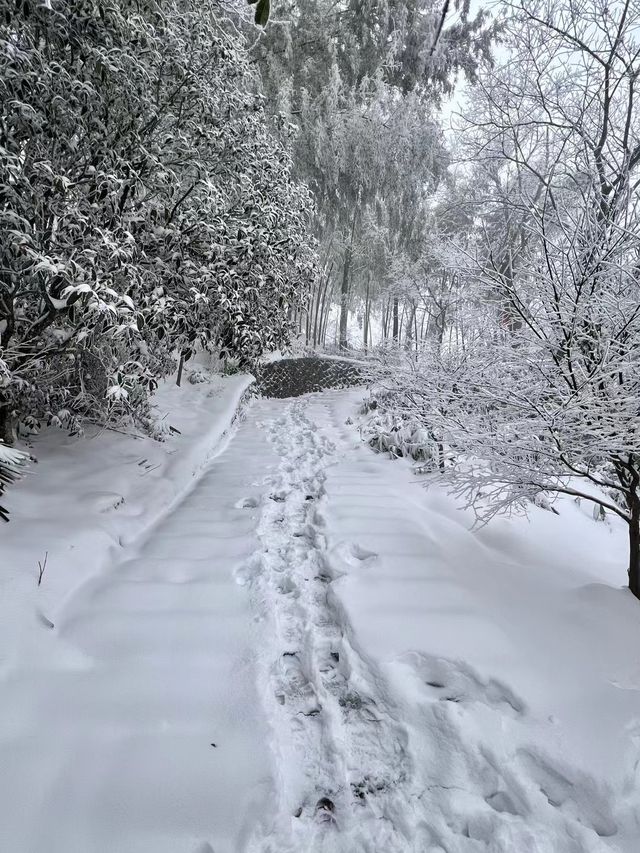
(304, 650)
(89, 497)
(513, 654)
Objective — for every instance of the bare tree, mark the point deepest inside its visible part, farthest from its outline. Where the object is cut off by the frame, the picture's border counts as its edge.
(545, 396)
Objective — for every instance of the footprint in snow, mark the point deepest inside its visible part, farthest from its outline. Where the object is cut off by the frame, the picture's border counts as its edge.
(325, 809)
(286, 586)
(104, 502)
(361, 554)
(250, 569)
(578, 796)
(354, 555)
(247, 503)
(500, 801)
(456, 681)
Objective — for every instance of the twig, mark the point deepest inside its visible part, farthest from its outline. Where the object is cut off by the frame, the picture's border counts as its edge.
(42, 566)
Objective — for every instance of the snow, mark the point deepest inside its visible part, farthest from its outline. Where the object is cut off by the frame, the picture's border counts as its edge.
(526, 624)
(136, 728)
(287, 644)
(448, 688)
(276, 355)
(90, 496)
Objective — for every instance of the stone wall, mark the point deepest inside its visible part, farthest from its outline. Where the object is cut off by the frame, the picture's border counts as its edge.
(291, 377)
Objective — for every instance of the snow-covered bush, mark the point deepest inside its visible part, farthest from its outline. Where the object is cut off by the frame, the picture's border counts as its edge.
(537, 392)
(12, 462)
(197, 377)
(390, 426)
(145, 207)
(506, 427)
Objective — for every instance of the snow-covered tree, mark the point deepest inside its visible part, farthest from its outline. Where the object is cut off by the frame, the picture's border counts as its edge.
(145, 206)
(360, 82)
(544, 396)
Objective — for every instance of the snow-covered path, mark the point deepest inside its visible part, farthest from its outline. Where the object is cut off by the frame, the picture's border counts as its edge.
(385, 621)
(144, 732)
(340, 748)
(310, 654)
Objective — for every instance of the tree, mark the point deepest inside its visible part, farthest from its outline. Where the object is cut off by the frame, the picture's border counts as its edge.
(545, 398)
(360, 82)
(145, 205)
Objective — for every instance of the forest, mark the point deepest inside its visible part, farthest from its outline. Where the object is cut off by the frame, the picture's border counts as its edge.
(442, 195)
(174, 178)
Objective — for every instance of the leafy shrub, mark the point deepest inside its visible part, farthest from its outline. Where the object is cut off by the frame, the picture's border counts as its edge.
(145, 207)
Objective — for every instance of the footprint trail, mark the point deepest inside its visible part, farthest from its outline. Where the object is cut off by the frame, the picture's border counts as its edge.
(339, 746)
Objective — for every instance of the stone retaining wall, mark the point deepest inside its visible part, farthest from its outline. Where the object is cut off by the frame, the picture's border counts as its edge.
(292, 377)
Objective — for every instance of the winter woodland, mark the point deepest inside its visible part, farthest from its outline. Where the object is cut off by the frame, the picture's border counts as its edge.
(446, 195)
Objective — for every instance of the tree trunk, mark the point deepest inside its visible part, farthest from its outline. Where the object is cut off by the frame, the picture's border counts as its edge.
(6, 425)
(367, 308)
(395, 334)
(317, 332)
(319, 306)
(401, 325)
(325, 305)
(424, 333)
(408, 335)
(326, 311)
(180, 369)
(385, 320)
(316, 311)
(634, 549)
(344, 298)
(441, 322)
(344, 290)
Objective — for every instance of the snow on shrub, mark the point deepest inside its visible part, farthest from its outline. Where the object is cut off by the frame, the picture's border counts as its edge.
(12, 462)
(145, 207)
(388, 427)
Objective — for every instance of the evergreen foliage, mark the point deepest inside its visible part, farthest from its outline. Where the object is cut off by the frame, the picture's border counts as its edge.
(145, 205)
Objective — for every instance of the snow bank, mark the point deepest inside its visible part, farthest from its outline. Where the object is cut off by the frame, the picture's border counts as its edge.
(90, 496)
